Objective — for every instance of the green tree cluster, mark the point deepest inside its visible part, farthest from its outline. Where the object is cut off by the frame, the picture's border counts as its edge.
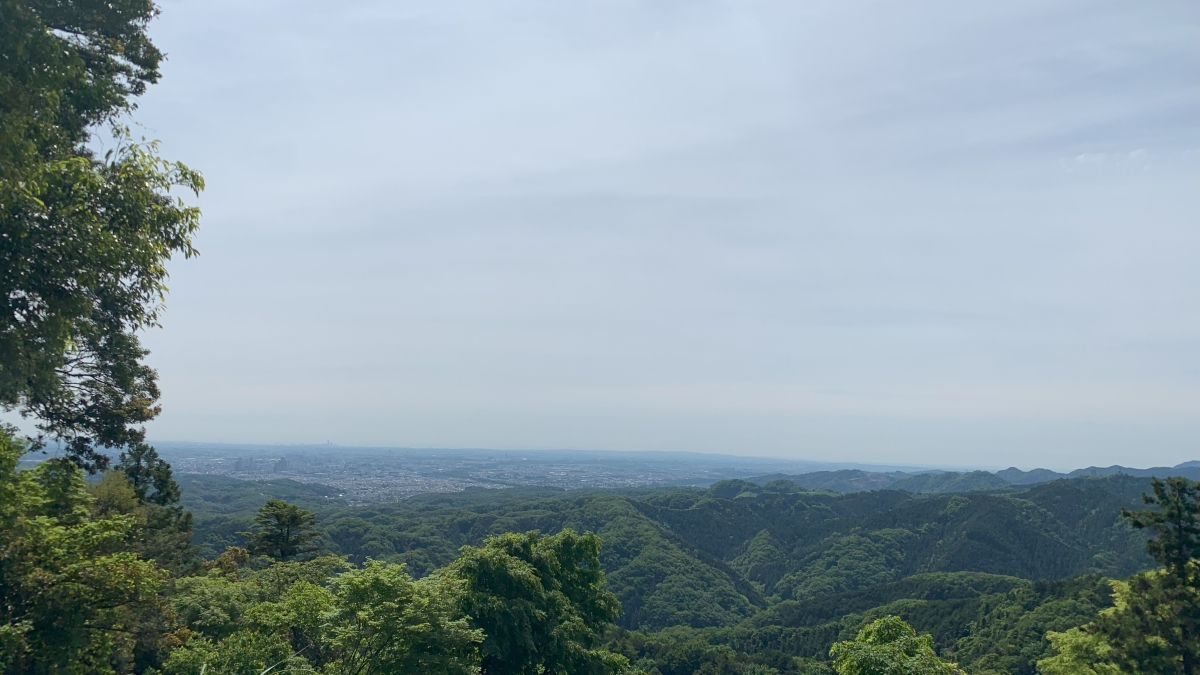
(84, 236)
(298, 617)
(74, 597)
(541, 603)
(520, 604)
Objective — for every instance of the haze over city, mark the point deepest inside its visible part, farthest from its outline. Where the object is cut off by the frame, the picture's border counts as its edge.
(922, 234)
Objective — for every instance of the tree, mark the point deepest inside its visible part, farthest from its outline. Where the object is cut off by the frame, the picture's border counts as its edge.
(889, 646)
(296, 617)
(161, 533)
(1154, 625)
(540, 602)
(1079, 653)
(84, 238)
(166, 528)
(387, 624)
(1176, 523)
(149, 475)
(72, 600)
(283, 531)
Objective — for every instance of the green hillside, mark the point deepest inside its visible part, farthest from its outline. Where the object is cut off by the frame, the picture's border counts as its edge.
(745, 570)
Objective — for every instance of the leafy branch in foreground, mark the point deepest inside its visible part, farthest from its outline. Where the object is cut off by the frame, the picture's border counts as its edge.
(84, 239)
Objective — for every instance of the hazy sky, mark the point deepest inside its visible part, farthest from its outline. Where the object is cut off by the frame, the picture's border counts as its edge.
(947, 233)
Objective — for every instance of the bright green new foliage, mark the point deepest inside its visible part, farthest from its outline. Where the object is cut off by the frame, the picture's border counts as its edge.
(71, 596)
(298, 617)
(889, 646)
(386, 623)
(540, 602)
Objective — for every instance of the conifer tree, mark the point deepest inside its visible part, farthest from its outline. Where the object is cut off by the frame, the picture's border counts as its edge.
(283, 531)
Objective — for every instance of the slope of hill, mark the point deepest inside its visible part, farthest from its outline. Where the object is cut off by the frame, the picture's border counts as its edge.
(943, 482)
(1015, 476)
(1190, 470)
(950, 481)
(772, 573)
(687, 556)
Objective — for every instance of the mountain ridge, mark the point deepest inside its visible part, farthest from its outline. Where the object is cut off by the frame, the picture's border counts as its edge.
(948, 482)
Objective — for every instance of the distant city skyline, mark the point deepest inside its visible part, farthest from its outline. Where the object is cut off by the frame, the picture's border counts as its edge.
(935, 234)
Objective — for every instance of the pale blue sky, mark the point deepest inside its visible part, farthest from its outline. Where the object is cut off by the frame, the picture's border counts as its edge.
(938, 233)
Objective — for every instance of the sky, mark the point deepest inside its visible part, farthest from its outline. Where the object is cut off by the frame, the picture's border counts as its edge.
(935, 233)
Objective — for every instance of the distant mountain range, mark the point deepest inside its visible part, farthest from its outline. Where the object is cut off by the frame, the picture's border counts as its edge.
(944, 482)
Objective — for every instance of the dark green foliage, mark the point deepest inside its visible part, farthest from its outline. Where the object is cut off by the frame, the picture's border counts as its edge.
(845, 480)
(83, 239)
(1009, 635)
(149, 475)
(208, 495)
(937, 482)
(283, 531)
(950, 481)
(680, 556)
(846, 562)
(942, 591)
(763, 561)
(1157, 626)
(1189, 470)
(1154, 626)
(1015, 476)
(223, 507)
(66, 68)
(707, 571)
(1176, 525)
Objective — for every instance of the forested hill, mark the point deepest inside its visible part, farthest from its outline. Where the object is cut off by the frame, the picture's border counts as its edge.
(856, 480)
(744, 558)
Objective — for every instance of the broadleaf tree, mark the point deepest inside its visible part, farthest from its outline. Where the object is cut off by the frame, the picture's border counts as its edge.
(540, 602)
(889, 646)
(72, 598)
(84, 234)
